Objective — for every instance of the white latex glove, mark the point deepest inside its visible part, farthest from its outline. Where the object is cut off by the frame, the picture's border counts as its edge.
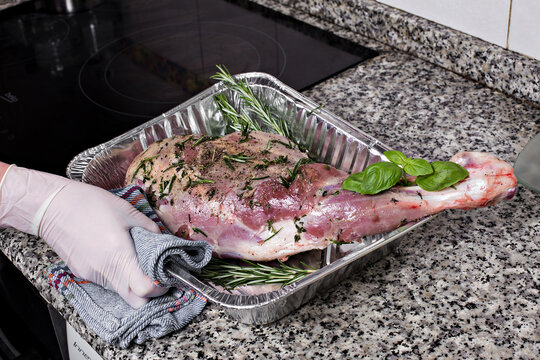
(87, 226)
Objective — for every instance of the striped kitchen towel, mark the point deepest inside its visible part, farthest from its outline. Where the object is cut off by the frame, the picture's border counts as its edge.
(105, 312)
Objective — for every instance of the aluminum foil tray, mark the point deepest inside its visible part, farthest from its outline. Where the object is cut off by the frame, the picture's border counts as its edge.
(327, 137)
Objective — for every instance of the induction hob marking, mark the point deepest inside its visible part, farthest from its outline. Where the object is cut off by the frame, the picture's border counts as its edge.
(81, 87)
(167, 70)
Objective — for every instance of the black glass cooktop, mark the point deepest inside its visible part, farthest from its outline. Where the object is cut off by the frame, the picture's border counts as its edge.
(70, 82)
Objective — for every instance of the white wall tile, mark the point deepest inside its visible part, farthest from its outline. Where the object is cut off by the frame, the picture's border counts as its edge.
(525, 28)
(486, 19)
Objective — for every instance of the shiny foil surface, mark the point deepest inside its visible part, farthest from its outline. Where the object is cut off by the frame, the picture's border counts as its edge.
(328, 139)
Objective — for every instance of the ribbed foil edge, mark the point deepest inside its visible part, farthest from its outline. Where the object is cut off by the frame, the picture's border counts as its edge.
(325, 135)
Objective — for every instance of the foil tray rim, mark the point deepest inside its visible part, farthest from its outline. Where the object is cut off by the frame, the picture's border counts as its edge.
(256, 304)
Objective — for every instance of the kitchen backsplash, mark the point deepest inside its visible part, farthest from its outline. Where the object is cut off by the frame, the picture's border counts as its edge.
(512, 24)
(524, 35)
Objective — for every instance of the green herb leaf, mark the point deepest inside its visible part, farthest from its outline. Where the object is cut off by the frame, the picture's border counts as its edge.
(142, 165)
(417, 167)
(240, 157)
(314, 110)
(397, 157)
(414, 167)
(292, 174)
(445, 174)
(256, 106)
(354, 181)
(228, 163)
(374, 179)
(191, 183)
(182, 145)
(271, 236)
(259, 178)
(197, 230)
(178, 165)
(235, 120)
(203, 180)
(204, 138)
(230, 275)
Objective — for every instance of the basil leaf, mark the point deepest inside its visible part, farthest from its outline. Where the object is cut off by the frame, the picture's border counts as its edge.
(414, 167)
(374, 179)
(417, 167)
(353, 182)
(445, 174)
(397, 157)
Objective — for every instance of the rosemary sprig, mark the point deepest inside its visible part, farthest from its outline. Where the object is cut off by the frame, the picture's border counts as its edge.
(236, 121)
(314, 110)
(204, 138)
(240, 158)
(171, 184)
(244, 139)
(259, 178)
(228, 163)
(182, 145)
(197, 230)
(267, 148)
(270, 223)
(253, 102)
(178, 165)
(165, 187)
(271, 236)
(281, 159)
(231, 276)
(292, 174)
(287, 145)
(191, 183)
(203, 180)
(142, 165)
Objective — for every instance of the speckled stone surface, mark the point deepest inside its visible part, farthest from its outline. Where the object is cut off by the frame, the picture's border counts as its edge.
(284, 7)
(464, 285)
(373, 22)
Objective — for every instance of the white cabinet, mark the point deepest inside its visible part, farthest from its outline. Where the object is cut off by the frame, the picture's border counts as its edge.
(486, 19)
(524, 36)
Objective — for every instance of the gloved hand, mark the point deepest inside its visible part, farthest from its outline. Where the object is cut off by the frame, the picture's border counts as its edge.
(87, 226)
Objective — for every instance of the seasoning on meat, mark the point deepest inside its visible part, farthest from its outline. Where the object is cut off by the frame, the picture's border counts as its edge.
(259, 199)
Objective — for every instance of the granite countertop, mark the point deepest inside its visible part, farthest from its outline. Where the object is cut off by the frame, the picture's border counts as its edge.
(463, 285)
